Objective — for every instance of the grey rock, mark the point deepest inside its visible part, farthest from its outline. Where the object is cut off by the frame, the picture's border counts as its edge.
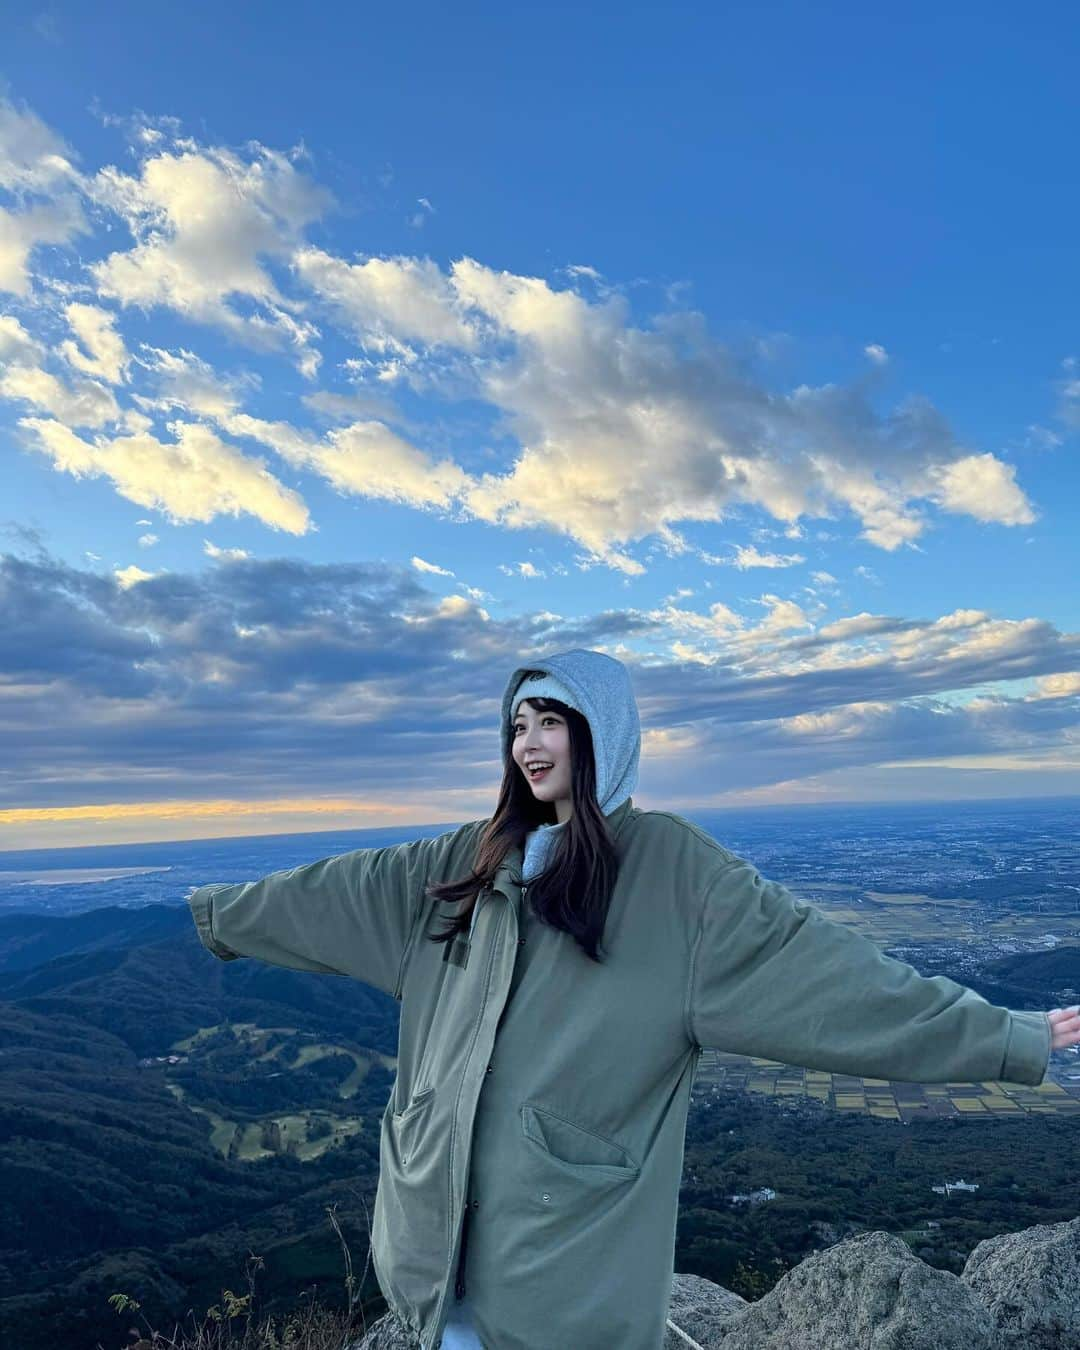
(388, 1333)
(700, 1309)
(868, 1293)
(1030, 1283)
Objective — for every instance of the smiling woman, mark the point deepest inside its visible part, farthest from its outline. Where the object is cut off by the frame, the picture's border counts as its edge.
(531, 1150)
(558, 812)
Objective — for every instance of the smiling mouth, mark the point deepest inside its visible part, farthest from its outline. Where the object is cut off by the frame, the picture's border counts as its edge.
(540, 773)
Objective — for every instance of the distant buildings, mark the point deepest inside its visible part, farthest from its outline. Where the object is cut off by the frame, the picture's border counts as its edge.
(757, 1197)
(951, 1186)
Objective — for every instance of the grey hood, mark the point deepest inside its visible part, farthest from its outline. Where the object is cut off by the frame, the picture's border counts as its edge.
(601, 687)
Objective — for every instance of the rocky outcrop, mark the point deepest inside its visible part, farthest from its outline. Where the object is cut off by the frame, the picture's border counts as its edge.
(698, 1307)
(870, 1292)
(1030, 1283)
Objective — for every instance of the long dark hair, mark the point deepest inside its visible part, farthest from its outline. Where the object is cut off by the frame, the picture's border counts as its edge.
(574, 891)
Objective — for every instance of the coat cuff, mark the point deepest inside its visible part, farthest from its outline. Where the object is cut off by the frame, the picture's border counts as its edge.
(1027, 1052)
(199, 902)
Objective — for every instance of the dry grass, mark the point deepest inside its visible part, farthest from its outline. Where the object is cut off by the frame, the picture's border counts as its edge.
(234, 1325)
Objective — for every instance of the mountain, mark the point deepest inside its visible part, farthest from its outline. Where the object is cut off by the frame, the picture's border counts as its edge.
(160, 1110)
(28, 940)
(163, 1115)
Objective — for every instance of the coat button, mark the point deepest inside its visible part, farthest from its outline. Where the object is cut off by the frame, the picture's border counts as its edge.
(488, 1069)
(545, 1197)
(476, 1204)
(521, 942)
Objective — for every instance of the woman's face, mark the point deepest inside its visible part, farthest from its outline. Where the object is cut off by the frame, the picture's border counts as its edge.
(544, 738)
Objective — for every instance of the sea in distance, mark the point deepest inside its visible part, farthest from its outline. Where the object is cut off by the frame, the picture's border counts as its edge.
(1004, 857)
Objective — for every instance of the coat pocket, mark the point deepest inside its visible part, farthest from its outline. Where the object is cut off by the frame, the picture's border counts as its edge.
(408, 1227)
(406, 1126)
(567, 1163)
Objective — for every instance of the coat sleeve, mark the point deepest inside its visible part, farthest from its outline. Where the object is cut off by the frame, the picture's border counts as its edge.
(351, 914)
(772, 976)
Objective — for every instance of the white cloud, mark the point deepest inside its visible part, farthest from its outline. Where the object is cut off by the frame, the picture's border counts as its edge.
(782, 616)
(83, 403)
(105, 354)
(746, 557)
(366, 458)
(33, 158)
(1042, 438)
(422, 566)
(196, 477)
(17, 346)
(596, 403)
(147, 540)
(856, 625)
(1063, 685)
(185, 381)
(21, 232)
(450, 607)
(583, 270)
(847, 722)
(389, 300)
(876, 353)
(131, 576)
(417, 219)
(720, 622)
(522, 569)
(224, 554)
(357, 406)
(204, 220)
(983, 487)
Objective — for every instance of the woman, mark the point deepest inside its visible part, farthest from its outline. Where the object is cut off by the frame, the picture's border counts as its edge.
(531, 1150)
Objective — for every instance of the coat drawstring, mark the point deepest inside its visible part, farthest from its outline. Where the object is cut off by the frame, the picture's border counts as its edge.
(459, 1284)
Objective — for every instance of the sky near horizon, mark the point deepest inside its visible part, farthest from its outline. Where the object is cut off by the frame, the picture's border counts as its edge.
(351, 358)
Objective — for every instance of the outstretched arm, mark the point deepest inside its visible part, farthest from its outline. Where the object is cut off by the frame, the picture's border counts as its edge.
(773, 976)
(352, 914)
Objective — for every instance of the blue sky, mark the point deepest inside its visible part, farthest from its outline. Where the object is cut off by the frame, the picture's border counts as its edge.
(349, 359)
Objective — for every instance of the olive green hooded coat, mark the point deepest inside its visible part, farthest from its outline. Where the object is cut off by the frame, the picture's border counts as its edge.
(545, 1096)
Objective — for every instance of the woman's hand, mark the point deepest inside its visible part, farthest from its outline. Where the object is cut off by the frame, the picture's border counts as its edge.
(1064, 1027)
